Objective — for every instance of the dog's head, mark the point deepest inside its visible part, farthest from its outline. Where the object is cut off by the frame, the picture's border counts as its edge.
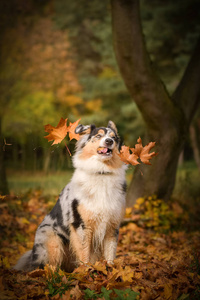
(99, 144)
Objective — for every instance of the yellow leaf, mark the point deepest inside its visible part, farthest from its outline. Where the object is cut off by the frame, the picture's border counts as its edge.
(168, 290)
(128, 211)
(126, 274)
(99, 266)
(132, 227)
(5, 262)
(21, 249)
(140, 200)
(25, 221)
(18, 202)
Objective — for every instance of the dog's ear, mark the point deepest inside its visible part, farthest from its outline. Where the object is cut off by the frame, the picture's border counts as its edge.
(81, 129)
(112, 126)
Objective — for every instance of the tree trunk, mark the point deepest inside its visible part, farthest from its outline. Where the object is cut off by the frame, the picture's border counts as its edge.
(3, 180)
(165, 118)
(195, 147)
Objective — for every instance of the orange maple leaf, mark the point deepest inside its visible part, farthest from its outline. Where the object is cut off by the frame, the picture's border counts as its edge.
(57, 133)
(71, 128)
(127, 157)
(143, 152)
(138, 152)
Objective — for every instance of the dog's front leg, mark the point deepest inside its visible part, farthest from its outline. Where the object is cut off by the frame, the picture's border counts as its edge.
(86, 245)
(110, 245)
(81, 244)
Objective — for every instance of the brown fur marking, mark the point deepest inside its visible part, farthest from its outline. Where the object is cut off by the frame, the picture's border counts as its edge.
(82, 248)
(115, 162)
(75, 243)
(88, 217)
(55, 250)
(101, 131)
(89, 150)
(112, 135)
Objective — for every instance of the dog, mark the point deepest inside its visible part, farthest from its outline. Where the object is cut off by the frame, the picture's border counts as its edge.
(83, 226)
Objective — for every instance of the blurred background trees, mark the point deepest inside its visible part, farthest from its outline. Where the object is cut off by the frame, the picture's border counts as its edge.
(57, 60)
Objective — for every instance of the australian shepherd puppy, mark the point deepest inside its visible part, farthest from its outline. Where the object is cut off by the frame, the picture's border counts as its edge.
(84, 224)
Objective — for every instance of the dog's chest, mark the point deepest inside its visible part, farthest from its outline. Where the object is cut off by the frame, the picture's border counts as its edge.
(100, 194)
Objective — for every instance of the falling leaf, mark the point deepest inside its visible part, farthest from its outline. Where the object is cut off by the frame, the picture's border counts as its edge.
(71, 129)
(127, 157)
(143, 152)
(131, 155)
(58, 133)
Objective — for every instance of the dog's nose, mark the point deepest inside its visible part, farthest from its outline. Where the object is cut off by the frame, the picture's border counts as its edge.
(109, 142)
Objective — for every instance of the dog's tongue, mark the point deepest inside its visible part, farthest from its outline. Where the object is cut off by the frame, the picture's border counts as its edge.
(102, 150)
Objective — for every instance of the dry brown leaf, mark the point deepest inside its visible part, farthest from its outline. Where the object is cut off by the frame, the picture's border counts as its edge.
(36, 273)
(127, 157)
(138, 152)
(71, 128)
(58, 133)
(99, 266)
(76, 293)
(126, 274)
(143, 152)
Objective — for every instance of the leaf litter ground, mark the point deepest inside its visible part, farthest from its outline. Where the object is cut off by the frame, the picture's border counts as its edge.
(149, 265)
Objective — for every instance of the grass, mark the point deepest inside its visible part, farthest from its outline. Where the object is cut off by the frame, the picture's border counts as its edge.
(187, 182)
(52, 183)
(187, 186)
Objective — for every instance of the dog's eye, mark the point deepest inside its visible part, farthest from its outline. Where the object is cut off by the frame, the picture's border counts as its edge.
(114, 138)
(98, 136)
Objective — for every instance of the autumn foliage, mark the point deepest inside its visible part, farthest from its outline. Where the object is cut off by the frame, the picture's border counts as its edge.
(153, 261)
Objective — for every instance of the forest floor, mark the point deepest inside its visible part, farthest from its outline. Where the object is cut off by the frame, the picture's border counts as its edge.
(157, 255)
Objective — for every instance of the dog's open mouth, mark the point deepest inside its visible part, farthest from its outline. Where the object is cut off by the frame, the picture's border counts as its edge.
(104, 151)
